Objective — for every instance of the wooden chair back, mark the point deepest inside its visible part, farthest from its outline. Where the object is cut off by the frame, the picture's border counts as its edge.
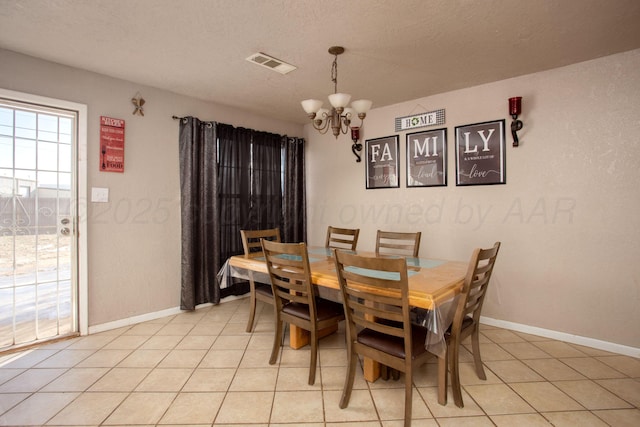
(398, 243)
(295, 298)
(288, 266)
(376, 298)
(251, 239)
(342, 238)
(252, 243)
(475, 285)
(466, 321)
(375, 294)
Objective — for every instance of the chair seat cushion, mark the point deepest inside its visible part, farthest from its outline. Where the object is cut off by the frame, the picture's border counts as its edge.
(395, 345)
(325, 309)
(264, 290)
(466, 322)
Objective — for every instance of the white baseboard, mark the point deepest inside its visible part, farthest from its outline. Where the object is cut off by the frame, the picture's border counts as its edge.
(151, 316)
(133, 320)
(561, 336)
(532, 330)
(137, 319)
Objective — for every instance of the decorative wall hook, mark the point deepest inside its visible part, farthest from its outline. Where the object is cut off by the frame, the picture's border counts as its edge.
(138, 102)
(515, 109)
(356, 147)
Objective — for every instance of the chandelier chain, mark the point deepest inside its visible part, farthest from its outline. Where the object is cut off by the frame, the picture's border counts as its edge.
(334, 74)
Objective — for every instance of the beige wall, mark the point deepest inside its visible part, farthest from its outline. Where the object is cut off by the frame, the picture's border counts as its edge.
(134, 240)
(567, 216)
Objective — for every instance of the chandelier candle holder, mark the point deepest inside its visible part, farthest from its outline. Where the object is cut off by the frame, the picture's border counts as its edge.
(338, 119)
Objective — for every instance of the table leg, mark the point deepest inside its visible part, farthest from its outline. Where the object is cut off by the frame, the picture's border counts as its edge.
(299, 337)
(371, 369)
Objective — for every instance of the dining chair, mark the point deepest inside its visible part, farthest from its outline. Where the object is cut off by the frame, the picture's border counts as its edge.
(376, 304)
(342, 238)
(398, 243)
(466, 320)
(295, 298)
(260, 291)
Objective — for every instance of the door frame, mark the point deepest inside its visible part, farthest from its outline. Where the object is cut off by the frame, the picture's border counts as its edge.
(81, 194)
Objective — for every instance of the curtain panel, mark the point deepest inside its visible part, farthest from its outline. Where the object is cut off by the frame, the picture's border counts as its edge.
(294, 227)
(233, 179)
(266, 183)
(234, 185)
(199, 213)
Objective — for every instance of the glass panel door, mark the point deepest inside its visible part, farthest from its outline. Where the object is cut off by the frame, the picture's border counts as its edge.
(37, 218)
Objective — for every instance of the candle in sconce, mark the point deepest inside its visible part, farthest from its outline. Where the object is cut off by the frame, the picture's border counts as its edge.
(515, 106)
(355, 134)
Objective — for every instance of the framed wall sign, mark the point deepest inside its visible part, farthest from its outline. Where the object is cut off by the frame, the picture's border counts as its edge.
(383, 162)
(480, 154)
(427, 158)
(111, 144)
(432, 118)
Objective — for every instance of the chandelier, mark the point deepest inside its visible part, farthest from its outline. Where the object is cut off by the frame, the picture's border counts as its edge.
(339, 117)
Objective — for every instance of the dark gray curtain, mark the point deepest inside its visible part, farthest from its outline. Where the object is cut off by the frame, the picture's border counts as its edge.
(294, 227)
(232, 179)
(200, 224)
(266, 182)
(234, 187)
(249, 189)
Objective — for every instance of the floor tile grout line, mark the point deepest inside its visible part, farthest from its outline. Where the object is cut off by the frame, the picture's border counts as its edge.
(596, 357)
(552, 383)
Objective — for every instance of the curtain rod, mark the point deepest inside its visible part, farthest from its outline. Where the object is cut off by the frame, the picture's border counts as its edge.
(184, 120)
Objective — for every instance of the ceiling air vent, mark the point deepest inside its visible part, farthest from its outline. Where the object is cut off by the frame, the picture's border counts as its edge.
(271, 63)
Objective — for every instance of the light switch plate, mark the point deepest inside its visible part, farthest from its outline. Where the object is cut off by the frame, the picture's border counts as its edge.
(99, 195)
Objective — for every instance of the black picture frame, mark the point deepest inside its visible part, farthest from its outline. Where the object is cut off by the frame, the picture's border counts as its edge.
(427, 158)
(480, 154)
(383, 162)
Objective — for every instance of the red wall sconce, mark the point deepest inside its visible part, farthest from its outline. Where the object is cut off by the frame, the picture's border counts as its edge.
(356, 147)
(515, 109)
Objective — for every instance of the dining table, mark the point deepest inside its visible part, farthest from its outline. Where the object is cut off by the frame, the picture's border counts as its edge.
(434, 286)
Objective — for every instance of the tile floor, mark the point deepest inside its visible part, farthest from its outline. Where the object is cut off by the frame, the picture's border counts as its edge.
(203, 369)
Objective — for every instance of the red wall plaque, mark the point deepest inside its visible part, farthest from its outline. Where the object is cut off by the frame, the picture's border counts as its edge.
(111, 144)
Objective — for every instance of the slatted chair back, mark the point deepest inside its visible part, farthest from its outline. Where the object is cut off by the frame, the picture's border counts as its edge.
(295, 297)
(466, 321)
(251, 243)
(376, 302)
(342, 238)
(398, 243)
(288, 265)
(251, 239)
(475, 284)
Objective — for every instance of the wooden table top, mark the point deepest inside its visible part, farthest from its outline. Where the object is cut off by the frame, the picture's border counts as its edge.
(431, 281)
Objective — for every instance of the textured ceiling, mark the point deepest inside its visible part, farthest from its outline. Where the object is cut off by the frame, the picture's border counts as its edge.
(396, 50)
